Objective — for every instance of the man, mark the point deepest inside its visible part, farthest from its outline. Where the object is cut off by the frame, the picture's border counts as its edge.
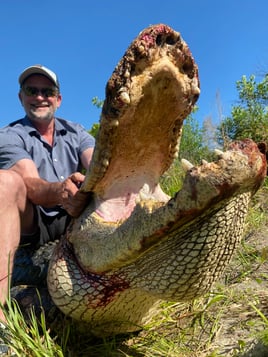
(40, 161)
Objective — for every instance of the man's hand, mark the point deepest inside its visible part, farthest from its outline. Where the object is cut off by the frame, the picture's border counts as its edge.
(74, 201)
(49, 194)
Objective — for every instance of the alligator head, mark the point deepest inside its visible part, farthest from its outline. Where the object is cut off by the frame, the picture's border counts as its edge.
(134, 246)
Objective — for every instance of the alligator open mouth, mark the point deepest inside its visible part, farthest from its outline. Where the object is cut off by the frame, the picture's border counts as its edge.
(134, 245)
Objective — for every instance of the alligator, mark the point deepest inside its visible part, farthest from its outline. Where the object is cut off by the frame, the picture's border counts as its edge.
(134, 247)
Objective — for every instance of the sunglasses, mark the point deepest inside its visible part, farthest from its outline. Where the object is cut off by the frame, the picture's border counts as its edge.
(45, 92)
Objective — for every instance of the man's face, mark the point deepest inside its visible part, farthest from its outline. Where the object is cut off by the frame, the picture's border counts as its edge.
(39, 107)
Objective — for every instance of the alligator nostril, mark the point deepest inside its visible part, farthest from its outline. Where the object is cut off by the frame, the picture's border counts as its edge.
(171, 40)
(158, 40)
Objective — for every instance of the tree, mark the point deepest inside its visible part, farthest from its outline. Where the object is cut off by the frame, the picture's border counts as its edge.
(95, 127)
(249, 119)
(193, 147)
(97, 102)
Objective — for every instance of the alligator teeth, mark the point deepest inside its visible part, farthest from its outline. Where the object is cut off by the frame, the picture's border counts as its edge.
(195, 87)
(124, 97)
(219, 152)
(144, 194)
(127, 74)
(204, 162)
(105, 163)
(177, 147)
(186, 165)
(141, 49)
(114, 122)
(141, 197)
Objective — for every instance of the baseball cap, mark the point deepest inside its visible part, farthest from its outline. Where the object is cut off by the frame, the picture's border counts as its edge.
(39, 69)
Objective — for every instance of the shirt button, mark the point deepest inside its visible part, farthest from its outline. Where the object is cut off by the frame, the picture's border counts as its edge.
(62, 177)
(55, 160)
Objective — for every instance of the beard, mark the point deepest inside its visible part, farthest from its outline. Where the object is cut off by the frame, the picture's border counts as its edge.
(41, 116)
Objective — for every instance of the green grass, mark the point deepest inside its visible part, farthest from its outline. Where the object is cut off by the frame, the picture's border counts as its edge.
(31, 338)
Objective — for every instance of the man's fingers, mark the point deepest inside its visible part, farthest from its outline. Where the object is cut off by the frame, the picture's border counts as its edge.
(77, 178)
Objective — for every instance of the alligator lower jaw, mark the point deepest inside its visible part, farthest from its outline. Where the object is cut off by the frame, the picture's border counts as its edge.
(101, 245)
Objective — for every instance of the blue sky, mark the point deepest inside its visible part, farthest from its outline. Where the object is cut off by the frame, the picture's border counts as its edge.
(83, 40)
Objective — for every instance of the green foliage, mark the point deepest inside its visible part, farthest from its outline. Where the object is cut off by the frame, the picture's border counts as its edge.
(192, 148)
(97, 102)
(192, 145)
(28, 338)
(249, 119)
(95, 127)
(94, 130)
(172, 180)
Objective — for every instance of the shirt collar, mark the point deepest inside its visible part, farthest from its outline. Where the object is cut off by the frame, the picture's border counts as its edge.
(59, 128)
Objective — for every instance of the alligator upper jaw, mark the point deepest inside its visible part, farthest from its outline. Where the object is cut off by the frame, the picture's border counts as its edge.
(152, 90)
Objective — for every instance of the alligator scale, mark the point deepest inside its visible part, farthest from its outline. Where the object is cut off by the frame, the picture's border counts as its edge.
(134, 246)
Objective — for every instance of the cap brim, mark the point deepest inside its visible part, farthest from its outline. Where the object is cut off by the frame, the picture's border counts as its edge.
(38, 70)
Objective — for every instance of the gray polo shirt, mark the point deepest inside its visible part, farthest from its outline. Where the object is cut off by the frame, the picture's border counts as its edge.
(20, 140)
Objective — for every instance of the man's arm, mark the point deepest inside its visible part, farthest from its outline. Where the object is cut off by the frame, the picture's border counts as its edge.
(49, 194)
(86, 157)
